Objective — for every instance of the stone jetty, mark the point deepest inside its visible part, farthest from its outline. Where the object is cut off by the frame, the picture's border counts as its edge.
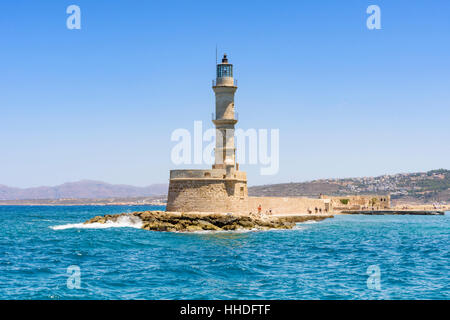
(397, 212)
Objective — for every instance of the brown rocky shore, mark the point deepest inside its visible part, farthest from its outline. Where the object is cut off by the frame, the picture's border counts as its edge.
(186, 222)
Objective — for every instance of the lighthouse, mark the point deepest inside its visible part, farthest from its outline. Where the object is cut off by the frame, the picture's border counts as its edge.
(224, 87)
(223, 188)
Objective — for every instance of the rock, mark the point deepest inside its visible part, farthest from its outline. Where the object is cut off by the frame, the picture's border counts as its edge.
(206, 225)
(190, 222)
(193, 228)
(97, 219)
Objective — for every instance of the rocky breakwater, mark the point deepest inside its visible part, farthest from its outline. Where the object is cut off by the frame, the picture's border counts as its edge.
(185, 222)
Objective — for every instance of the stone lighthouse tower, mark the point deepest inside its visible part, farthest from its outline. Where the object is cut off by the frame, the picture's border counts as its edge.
(224, 88)
(222, 188)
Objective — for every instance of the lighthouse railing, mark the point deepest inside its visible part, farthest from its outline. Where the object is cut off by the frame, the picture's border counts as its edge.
(236, 116)
(235, 83)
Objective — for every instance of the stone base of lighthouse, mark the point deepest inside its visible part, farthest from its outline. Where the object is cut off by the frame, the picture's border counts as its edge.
(208, 191)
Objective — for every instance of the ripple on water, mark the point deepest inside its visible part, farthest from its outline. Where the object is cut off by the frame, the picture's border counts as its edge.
(321, 260)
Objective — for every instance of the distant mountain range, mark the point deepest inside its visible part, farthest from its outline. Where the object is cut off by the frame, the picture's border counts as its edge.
(421, 187)
(85, 189)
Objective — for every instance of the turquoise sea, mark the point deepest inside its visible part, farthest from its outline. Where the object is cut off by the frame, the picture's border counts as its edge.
(40, 247)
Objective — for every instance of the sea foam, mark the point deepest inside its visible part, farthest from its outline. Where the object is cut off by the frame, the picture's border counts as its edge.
(121, 222)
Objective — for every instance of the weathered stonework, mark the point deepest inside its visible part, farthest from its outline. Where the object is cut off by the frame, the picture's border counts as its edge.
(207, 191)
(205, 196)
(287, 205)
(360, 202)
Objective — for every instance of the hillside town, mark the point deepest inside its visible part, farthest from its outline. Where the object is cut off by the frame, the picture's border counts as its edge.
(423, 187)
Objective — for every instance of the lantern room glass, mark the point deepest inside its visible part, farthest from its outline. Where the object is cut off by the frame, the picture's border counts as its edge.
(224, 70)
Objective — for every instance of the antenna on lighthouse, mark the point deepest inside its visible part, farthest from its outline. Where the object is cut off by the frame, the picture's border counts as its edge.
(216, 54)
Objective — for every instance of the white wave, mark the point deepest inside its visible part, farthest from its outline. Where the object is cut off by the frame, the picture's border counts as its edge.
(309, 222)
(121, 222)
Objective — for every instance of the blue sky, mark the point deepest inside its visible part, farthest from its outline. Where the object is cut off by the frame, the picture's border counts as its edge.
(101, 102)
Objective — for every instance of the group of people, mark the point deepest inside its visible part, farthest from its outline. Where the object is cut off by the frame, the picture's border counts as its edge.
(268, 212)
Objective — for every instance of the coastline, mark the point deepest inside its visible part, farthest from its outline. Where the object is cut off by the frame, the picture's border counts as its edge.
(160, 201)
(405, 210)
(78, 205)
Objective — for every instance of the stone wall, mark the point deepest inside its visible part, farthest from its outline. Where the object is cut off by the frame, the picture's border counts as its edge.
(361, 202)
(214, 191)
(285, 205)
(207, 195)
(216, 174)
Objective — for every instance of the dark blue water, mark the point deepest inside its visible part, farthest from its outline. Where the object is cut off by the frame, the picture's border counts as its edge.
(324, 260)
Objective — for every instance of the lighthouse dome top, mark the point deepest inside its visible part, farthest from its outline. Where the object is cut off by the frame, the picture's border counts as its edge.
(225, 59)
